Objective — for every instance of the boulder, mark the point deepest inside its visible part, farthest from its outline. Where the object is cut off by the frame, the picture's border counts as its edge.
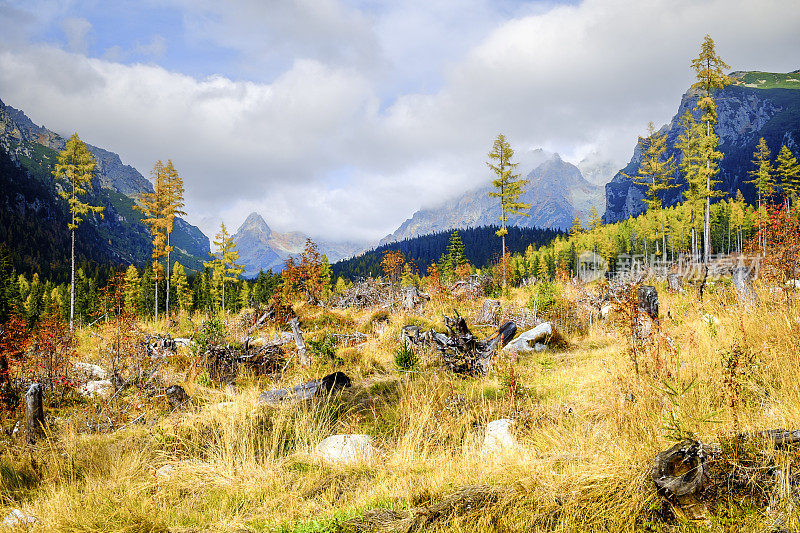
(346, 449)
(498, 437)
(91, 371)
(527, 341)
(100, 388)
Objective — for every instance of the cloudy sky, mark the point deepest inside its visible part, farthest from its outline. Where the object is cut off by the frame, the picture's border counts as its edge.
(341, 118)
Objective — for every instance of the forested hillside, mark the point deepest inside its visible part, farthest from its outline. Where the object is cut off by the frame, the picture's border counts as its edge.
(481, 245)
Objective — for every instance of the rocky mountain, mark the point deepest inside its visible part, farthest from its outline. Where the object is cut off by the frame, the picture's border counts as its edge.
(556, 190)
(759, 104)
(119, 236)
(261, 248)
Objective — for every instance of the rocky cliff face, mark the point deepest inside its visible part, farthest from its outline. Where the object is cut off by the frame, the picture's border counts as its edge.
(556, 190)
(261, 248)
(117, 186)
(758, 105)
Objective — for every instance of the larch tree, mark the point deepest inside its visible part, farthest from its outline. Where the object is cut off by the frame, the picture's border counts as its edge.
(691, 163)
(181, 285)
(655, 173)
(576, 228)
(763, 178)
(173, 206)
(132, 289)
(709, 68)
(152, 206)
(788, 171)
(508, 188)
(224, 263)
(595, 221)
(76, 166)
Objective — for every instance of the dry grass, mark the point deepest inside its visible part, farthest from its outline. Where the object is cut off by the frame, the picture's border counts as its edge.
(588, 428)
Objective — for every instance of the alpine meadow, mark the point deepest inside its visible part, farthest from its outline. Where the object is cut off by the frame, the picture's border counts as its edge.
(528, 265)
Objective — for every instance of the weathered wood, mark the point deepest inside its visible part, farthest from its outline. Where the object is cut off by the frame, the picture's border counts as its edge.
(322, 387)
(305, 360)
(648, 300)
(34, 411)
(489, 313)
(743, 283)
(176, 396)
(679, 475)
(674, 283)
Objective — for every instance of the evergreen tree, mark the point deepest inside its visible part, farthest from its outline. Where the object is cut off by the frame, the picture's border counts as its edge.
(508, 188)
(788, 171)
(181, 287)
(655, 173)
(763, 177)
(224, 263)
(710, 76)
(75, 165)
(173, 206)
(244, 295)
(595, 221)
(153, 206)
(132, 290)
(692, 161)
(576, 228)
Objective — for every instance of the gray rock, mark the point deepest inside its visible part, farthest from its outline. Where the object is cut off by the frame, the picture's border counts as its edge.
(499, 437)
(91, 371)
(97, 388)
(346, 449)
(528, 340)
(17, 518)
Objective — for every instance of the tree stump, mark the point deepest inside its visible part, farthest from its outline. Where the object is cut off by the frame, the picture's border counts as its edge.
(679, 475)
(674, 283)
(177, 396)
(743, 283)
(648, 300)
(298, 340)
(34, 411)
(489, 313)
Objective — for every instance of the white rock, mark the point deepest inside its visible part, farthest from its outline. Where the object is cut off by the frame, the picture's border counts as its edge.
(499, 437)
(539, 347)
(793, 283)
(102, 387)
(605, 311)
(182, 341)
(165, 472)
(528, 339)
(18, 518)
(346, 449)
(91, 371)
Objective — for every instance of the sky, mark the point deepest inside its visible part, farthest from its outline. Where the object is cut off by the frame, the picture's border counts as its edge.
(341, 118)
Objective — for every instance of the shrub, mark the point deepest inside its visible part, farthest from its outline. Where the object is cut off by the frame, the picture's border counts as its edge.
(405, 358)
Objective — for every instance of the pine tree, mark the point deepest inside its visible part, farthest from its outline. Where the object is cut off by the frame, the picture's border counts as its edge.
(710, 76)
(153, 206)
(595, 221)
(763, 177)
(692, 161)
(655, 174)
(224, 262)
(508, 186)
(788, 170)
(76, 166)
(132, 289)
(173, 206)
(181, 286)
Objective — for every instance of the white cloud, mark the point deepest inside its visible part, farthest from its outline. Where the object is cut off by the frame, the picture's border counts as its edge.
(366, 116)
(77, 31)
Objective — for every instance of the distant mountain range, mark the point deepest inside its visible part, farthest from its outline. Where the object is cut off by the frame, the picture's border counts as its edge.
(28, 197)
(556, 190)
(261, 248)
(759, 104)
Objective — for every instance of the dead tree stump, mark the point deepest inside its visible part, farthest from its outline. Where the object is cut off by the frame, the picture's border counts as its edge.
(34, 411)
(489, 313)
(679, 475)
(648, 300)
(298, 340)
(674, 283)
(743, 283)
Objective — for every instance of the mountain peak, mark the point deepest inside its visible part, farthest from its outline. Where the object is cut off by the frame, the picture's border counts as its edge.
(255, 222)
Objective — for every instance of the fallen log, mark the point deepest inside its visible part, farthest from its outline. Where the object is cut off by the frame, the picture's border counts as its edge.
(313, 389)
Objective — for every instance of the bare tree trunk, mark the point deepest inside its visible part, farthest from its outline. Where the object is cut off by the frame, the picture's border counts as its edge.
(72, 285)
(155, 277)
(504, 257)
(166, 309)
(707, 225)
